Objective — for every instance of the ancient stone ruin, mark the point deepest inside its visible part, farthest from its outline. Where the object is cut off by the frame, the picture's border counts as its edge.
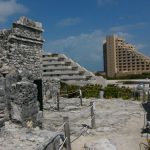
(2, 101)
(21, 46)
(51, 89)
(20, 72)
(21, 87)
(24, 104)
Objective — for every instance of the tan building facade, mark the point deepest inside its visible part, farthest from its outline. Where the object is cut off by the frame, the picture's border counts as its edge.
(121, 58)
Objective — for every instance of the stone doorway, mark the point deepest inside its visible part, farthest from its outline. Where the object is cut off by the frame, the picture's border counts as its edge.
(40, 95)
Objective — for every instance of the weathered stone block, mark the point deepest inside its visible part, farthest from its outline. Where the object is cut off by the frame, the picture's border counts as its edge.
(2, 91)
(24, 104)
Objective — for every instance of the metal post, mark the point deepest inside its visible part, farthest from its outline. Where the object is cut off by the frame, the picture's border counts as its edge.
(57, 101)
(92, 115)
(67, 133)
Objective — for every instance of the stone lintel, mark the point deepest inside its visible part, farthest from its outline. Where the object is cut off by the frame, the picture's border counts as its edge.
(26, 39)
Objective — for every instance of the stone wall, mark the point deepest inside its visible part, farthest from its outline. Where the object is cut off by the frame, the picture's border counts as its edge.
(51, 89)
(2, 101)
(20, 51)
(22, 46)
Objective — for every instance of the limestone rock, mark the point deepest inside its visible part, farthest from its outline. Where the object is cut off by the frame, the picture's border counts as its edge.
(102, 144)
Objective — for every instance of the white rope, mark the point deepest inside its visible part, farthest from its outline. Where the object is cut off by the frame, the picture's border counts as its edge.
(55, 133)
(63, 144)
(61, 127)
(79, 135)
(84, 121)
(89, 108)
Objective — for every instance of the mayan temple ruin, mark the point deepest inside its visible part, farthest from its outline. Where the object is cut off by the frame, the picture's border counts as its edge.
(22, 46)
(20, 59)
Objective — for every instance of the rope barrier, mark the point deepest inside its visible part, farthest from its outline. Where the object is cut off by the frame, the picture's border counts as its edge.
(79, 135)
(83, 122)
(47, 141)
(84, 126)
(80, 131)
(88, 109)
(63, 144)
(61, 127)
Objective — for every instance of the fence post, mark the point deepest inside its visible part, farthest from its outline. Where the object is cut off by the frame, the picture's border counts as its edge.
(92, 115)
(148, 95)
(67, 133)
(57, 101)
(101, 94)
(80, 96)
(144, 95)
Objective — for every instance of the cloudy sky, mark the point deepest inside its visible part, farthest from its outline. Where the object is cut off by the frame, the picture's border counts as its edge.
(78, 28)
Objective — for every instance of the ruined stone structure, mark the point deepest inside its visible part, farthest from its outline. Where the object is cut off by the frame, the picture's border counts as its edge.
(24, 104)
(51, 89)
(20, 65)
(21, 46)
(2, 101)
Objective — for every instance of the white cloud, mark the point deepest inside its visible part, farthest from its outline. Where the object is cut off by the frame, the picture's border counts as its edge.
(86, 49)
(128, 27)
(141, 46)
(125, 35)
(10, 7)
(105, 2)
(68, 22)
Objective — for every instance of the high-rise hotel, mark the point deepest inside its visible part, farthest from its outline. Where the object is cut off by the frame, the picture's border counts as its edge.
(121, 58)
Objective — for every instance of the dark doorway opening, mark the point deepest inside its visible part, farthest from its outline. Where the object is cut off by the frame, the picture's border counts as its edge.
(40, 95)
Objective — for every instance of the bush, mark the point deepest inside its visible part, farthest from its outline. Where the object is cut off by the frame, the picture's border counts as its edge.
(92, 91)
(113, 91)
(88, 91)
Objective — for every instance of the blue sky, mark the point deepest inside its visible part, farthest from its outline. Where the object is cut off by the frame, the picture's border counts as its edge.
(78, 28)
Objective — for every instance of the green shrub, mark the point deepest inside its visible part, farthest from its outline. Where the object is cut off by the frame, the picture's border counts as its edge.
(113, 91)
(88, 91)
(92, 91)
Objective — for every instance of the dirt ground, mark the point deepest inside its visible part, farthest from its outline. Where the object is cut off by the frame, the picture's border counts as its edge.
(118, 121)
(126, 138)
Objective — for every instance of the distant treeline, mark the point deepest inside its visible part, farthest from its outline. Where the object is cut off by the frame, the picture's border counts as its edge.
(131, 76)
